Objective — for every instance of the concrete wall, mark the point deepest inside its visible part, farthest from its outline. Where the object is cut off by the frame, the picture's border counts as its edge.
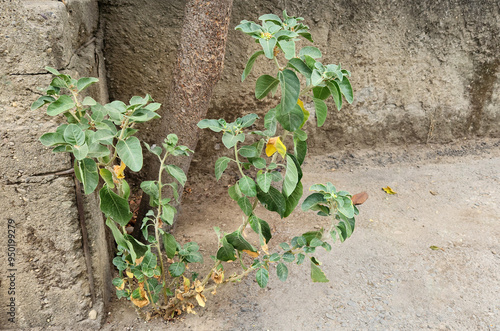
(422, 71)
(49, 273)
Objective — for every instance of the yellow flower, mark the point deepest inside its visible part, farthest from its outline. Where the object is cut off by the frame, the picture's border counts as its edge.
(119, 169)
(266, 35)
(275, 145)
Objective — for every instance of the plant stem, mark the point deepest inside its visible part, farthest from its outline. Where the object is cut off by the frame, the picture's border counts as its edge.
(157, 222)
(237, 160)
(149, 293)
(277, 63)
(306, 89)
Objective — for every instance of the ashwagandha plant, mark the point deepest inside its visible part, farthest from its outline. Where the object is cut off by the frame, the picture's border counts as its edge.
(101, 139)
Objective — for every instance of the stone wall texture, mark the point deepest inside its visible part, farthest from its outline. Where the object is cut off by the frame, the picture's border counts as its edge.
(422, 71)
(49, 279)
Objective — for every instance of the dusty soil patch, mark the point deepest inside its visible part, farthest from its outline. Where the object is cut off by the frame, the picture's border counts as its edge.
(385, 276)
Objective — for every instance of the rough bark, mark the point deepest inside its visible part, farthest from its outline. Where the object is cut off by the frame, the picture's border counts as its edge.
(199, 66)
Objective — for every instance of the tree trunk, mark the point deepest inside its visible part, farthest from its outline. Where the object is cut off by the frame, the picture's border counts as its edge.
(199, 66)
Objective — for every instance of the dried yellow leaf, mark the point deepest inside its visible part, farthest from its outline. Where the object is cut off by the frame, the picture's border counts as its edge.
(129, 274)
(389, 190)
(252, 254)
(199, 298)
(190, 310)
(218, 277)
(265, 248)
(275, 145)
(179, 296)
(187, 284)
(306, 113)
(143, 301)
(139, 260)
(198, 287)
(435, 248)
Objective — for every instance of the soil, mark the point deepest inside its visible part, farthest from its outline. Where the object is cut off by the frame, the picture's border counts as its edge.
(386, 276)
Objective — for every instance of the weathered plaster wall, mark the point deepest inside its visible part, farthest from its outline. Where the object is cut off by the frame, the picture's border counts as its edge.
(51, 282)
(422, 71)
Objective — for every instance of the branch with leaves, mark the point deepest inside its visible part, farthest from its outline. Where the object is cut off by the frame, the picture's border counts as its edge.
(101, 139)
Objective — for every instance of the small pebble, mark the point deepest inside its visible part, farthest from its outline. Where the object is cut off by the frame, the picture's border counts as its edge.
(93, 314)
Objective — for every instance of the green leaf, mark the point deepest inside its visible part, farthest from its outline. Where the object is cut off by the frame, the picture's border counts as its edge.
(168, 213)
(119, 263)
(89, 175)
(312, 200)
(247, 186)
(321, 92)
(74, 135)
(300, 66)
(245, 205)
(85, 82)
(291, 120)
(177, 173)
(317, 275)
(311, 235)
(262, 228)
(346, 89)
(220, 166)
(288, 257)
(118, 236)
(142, 115)
(264, 181)
(61, 105)
(52, 71)
(290, 89)
(130, 152)
(107, 176)
(271, 17)
(307, 36)
(169, 244)
(288, 47)
(262, 277)
(230, 140)
(248, 120)
(226, 252)
(42, 101)
(316, 242)
(234, 192)
(237, 240)
(80, 152)
(114, 206)
(150, 188)
(300, 258)
(316, 78)
(249, 65)
(268, 46)
(248, 27)
(52, 138)
(213, 125)
(285, 246)
(282, 271)
(335, 91)
(264, 85)
(293, 200)
(176, 269)
(300, 150)
(148, 264)
(258, 162)
(248, 151)
(311, 51)
(272, 200)
(291, 177)
(321, 111)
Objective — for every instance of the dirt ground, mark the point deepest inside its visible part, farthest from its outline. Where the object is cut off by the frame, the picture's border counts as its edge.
(385, 276)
